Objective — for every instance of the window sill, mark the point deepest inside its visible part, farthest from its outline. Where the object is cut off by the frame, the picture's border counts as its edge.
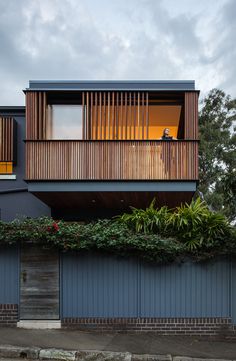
(7, 176)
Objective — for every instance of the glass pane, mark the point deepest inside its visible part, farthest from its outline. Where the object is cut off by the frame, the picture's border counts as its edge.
(161, 117)
(6, 167)
(66, 122)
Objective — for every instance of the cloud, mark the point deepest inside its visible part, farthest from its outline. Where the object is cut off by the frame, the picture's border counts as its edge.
(145, 39)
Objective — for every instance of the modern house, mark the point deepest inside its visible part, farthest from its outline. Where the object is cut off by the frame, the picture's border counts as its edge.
(95, 146)
(82, 150)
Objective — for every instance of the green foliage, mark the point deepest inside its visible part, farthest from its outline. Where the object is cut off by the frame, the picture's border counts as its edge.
(156, 235)
(193, 225)
(197, 226)
(217, 152)
(147, 221)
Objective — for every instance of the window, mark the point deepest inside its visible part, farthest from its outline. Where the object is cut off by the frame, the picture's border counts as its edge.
(6, 168)
(64, 122)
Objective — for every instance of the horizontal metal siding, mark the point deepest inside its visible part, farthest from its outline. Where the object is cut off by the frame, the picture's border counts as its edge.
(9, 275)
(98, 286)
(186, 290)
(106, 286)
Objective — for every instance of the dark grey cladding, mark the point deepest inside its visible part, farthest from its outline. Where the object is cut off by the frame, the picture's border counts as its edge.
(138, 85)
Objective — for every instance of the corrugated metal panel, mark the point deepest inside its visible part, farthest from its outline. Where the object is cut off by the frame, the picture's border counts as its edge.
(233, 292)
(187, 290)
(98, 286)
(9, 275)
(104, 286)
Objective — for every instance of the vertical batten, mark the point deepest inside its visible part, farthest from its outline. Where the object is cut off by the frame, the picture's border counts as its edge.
(100, 115)
(121, 115)
(91, 117)
(134, 105)
(83, 118)
(130, 115)
(117, 115)
(147, 116)
(96, 115)
(126, 116)
(104, 115)
(112, 160)
(7, 141)
(138, 115)
(191, 115)
(113, 117)
(108, 114)
(143, 123)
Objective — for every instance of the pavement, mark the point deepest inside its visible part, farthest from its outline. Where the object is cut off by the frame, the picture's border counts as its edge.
(129, 346)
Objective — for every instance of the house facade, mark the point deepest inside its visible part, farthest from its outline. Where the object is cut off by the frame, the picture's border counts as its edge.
(99, 145)
(82, 150)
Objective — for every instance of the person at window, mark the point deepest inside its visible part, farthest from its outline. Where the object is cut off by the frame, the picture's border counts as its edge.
(166, 136)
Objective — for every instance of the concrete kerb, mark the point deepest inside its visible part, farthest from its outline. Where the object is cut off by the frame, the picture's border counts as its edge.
(33, 353)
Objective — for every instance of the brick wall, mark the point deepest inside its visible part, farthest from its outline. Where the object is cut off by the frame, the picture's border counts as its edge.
(164, 326)
(8, 314)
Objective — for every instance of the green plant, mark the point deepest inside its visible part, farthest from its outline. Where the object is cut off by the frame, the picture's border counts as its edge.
(150, 220)
(156, 235)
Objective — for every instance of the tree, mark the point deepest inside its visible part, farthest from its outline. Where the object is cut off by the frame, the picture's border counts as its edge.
(217, 152)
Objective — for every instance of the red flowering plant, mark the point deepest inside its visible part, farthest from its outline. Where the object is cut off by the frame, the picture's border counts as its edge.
(54, 227)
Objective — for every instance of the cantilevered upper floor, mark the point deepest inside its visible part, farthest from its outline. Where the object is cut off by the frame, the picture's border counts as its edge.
(107, 134)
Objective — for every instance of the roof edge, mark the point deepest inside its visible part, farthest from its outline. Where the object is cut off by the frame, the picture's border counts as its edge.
(168, 85)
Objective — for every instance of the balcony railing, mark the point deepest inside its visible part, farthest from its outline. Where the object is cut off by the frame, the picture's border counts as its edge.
(111, 160)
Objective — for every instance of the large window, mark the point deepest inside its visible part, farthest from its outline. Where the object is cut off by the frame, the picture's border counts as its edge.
(161, 117)
(64, 121)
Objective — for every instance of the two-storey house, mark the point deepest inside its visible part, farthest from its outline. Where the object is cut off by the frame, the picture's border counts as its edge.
(81, 150)
(96, 147)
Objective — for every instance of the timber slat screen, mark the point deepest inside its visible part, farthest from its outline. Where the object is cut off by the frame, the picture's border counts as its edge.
(112, 160)
(7, 139)
(115, 115)
(191, 116)
(105, 115)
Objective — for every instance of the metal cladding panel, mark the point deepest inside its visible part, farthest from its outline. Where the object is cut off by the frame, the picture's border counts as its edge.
(233, 292)
(178, 85)
(185, 290)
(9, 275)
(106, 286)
(98, 286)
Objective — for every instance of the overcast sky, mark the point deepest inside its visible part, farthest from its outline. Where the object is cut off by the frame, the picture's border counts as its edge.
(116, 39)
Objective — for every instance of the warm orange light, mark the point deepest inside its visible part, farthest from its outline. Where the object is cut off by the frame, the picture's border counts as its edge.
(6, 168)
(129, 126)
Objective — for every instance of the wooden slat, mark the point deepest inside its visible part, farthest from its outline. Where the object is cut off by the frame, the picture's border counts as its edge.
(112, 160)
(130, 115)
(191, 116)
(104, 116)
(147, 117)
(96, 115)
(117, 116)
(138, 115)
(39, 286)
(7, 125)
(143, 122)
(134, 115)
(100, 114)
(126, 117)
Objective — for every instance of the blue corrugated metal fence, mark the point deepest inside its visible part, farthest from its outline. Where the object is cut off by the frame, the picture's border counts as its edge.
(106, 286)
(9, 275)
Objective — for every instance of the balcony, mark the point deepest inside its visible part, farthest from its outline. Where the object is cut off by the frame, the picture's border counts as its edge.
(94, 145)
(86, 160)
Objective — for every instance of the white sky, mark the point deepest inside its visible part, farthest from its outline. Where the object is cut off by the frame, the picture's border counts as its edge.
(116, 39)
